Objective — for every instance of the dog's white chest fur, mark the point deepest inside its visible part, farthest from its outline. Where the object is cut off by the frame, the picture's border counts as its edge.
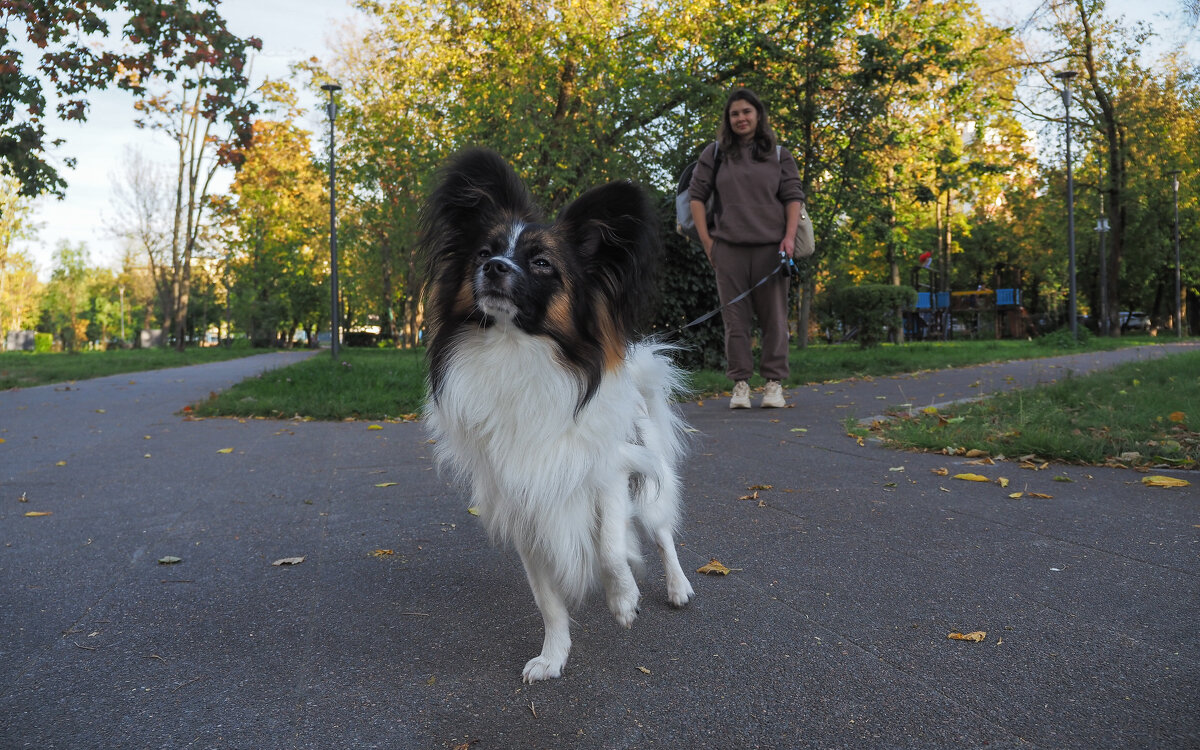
(506, 421)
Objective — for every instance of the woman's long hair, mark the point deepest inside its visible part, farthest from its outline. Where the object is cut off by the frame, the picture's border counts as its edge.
(764, 138)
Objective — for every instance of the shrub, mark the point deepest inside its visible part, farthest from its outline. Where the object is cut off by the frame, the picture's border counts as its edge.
(43, 343)
(872, 308)
(1062, 339)
(687, 289)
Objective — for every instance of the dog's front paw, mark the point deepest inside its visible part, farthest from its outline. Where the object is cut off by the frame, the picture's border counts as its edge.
(624, 606)
(541, 668)
(679, 591)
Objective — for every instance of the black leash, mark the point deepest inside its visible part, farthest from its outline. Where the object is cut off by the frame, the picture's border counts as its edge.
(785, 264)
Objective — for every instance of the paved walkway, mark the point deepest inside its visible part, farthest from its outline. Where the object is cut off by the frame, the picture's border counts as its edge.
(831, 632)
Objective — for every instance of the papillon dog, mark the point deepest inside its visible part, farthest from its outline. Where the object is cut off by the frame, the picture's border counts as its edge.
(540, 400)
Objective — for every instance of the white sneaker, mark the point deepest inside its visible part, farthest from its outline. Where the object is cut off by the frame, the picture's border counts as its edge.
(741, 395)
(773, 395)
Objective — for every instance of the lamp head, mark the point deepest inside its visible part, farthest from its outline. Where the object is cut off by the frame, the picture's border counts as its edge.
(330, 87)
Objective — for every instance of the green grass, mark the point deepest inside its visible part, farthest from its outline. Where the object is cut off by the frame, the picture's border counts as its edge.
(821, 363)
(1137, 414)
(388, 383)
(27, 369)
(360, 384)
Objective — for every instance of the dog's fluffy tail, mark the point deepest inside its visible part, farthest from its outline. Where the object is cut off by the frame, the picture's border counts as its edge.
(654, 458)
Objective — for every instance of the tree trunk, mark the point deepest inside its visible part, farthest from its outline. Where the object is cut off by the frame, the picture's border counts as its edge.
(1114, 144)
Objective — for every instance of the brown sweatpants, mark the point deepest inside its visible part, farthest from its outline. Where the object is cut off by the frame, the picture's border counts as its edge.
(738, 267)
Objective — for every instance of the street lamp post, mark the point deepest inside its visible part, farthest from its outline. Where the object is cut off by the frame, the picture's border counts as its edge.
(335, 312)
(1065, 76)
(1178, 289)
(1102, 228)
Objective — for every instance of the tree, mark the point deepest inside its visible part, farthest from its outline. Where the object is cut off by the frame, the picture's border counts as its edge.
(276, 236)
(201, 152)
(20, 293)
(14, 224)
(79, 55)
(66, 297)
(141, 201)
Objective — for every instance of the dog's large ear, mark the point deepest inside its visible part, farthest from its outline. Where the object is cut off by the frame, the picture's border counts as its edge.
(476, 191)
(614, 229)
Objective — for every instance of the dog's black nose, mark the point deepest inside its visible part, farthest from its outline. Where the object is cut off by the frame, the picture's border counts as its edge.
(495, 268)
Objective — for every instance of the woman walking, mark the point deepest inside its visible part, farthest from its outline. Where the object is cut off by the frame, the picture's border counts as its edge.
(757, 208)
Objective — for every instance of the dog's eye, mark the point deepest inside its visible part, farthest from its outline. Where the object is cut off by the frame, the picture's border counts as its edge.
(541, 263)
(484, 253)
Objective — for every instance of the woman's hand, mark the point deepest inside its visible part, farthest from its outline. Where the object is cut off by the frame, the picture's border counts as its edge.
(788, 245)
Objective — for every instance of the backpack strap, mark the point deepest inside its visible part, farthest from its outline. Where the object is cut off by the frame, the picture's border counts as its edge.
(716, 198)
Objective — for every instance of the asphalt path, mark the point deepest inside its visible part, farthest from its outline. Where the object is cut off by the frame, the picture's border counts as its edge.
(848, 574)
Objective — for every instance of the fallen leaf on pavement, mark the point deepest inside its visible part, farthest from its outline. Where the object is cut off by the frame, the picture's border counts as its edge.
(1002, 481)
(976, 453)
(975, 637)
(760, 487)
(644, 670)
(375, 427)
(386, 484)
(289, 561)
(225, 450)
(1042, 495)
(169, 560)
(714, 567)
(473, 511)
(940, 472)
(36, 513)
(382, 552)
(1017, 495)
(1161, 481)
(972, 477)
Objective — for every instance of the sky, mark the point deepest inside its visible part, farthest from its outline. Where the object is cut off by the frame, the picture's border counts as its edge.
(295, 30)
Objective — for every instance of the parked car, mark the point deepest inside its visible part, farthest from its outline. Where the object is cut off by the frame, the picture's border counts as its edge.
(1135, 321)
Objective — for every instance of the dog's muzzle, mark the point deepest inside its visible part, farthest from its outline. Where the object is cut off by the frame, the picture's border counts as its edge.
(494, 286)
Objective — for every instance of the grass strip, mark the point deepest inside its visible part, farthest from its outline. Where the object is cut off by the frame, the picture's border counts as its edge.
(1137, 414)
(821, 363)
(27, 369)
(390, 383)
(361, 384)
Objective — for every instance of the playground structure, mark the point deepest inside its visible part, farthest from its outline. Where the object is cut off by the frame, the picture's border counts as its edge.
(940, 315)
